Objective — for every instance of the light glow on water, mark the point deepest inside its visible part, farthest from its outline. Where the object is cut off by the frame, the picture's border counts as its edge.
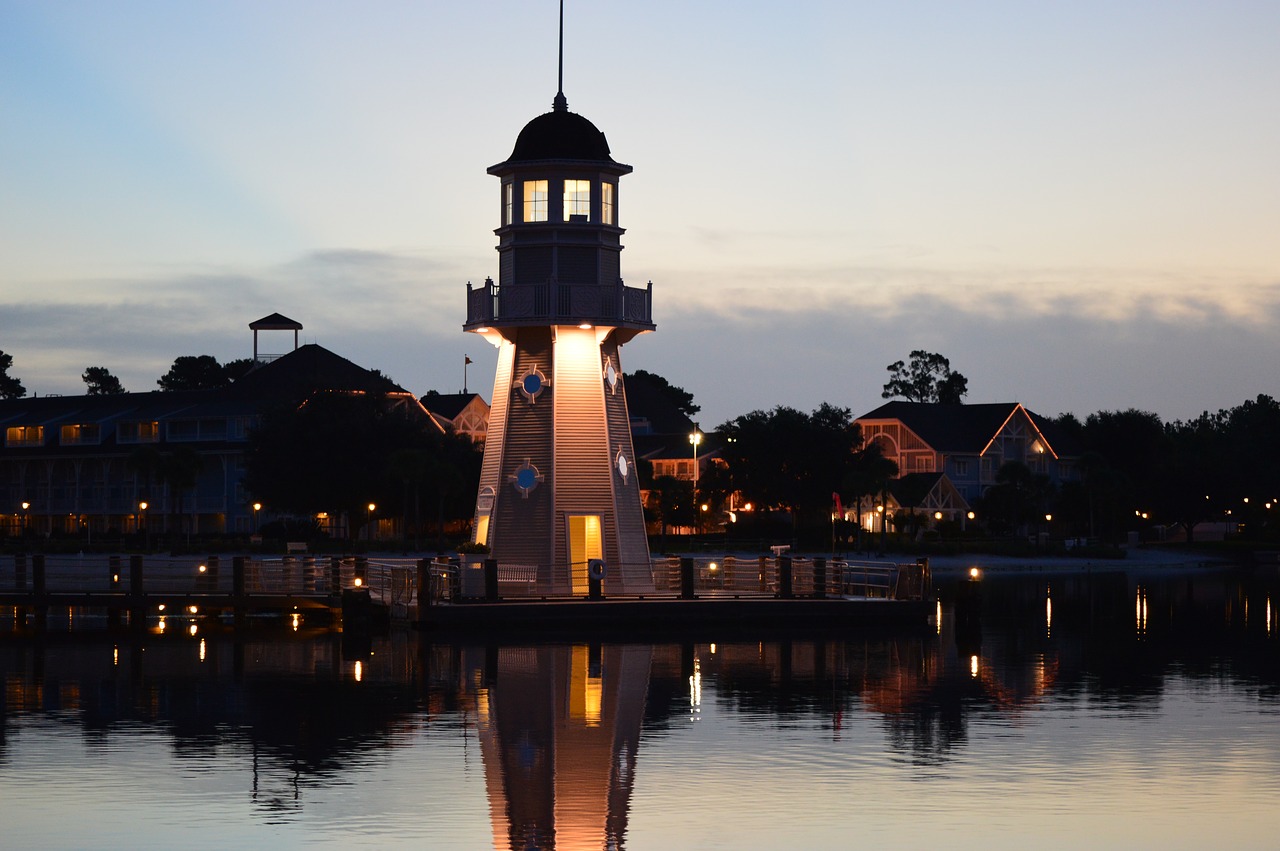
(1084, 732)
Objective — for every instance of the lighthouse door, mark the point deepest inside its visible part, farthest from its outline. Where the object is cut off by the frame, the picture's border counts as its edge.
(584, 544)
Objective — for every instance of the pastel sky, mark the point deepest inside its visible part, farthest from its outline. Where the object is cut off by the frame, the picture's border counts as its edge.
(1077, 203)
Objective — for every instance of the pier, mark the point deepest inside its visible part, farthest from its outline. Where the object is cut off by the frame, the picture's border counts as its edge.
(452, 594)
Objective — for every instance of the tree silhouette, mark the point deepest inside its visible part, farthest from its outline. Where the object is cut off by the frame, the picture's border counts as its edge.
(100, 382)
(10, 387)
(194, 372)
(928, 378)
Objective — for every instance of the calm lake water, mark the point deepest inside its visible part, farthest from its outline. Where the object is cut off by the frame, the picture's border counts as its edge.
(1109, 710)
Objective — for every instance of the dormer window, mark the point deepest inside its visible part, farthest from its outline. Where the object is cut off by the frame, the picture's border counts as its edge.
(535, 200)
(606, 203)
(577, 200)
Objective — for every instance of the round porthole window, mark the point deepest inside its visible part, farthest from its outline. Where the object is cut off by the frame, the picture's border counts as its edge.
(623, 466)
(525, 478)
(532, 383)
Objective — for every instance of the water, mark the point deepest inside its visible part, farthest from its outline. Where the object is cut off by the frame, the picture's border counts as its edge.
(1112, 711)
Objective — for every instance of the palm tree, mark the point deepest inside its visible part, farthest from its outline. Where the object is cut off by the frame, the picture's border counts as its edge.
(180, 470)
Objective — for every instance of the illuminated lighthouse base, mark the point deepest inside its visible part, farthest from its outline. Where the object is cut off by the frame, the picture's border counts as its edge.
(558, 487)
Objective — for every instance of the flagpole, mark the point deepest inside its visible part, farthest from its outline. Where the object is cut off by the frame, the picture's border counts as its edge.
(465, 361)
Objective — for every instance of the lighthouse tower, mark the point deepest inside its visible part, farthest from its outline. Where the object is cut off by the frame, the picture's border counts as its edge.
(558, 486)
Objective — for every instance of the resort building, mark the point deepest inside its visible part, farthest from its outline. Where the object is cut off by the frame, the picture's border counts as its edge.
(459, 413)
(949, 455)
(104, 464)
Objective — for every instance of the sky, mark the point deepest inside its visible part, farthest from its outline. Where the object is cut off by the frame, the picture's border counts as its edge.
(1077, 204)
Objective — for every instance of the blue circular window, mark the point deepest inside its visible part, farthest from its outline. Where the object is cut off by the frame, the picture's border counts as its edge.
(526, 478)
(532, 384)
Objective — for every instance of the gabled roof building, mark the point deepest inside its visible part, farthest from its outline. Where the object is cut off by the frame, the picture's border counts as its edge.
(969, 443)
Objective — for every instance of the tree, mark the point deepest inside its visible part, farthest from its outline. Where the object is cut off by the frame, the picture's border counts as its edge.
(194, 372)
(234, 369)
(180, 470)
(789, 459)
(10, 387)
(101, 382)
(928, 378)
(679, 397)
(868, 475)
(337, 452)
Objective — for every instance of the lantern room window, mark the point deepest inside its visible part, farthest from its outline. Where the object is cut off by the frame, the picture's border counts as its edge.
(535, 200)
(606, 204)
(577, 200)
(508, 202)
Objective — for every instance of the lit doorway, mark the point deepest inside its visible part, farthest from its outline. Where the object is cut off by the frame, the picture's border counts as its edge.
(584, 545)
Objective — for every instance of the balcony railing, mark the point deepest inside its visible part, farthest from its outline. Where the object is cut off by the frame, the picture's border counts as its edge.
(556, 303)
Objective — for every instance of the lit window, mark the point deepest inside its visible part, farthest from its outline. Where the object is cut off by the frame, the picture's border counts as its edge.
(535, 200)
(606, 203)
(577, 200)
(24, 436)
(508, 202)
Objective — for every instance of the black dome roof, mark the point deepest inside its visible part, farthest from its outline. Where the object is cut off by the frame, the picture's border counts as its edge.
(560, 135)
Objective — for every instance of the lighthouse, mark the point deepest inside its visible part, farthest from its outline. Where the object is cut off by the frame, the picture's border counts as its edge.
(558, 485)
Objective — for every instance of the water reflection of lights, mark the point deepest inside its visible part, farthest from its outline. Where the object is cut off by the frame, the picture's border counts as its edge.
(359, 670)
(973, 665)
(1141, 611)
(160, 626)
(1048, 612)
(192, 630)
(203, 650)
(937, 616)
(296, 620)
(695, 690)
(115, 656)
(1268, 617)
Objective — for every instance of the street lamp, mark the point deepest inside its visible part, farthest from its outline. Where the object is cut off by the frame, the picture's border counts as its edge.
(142, 522)
(257, 506)
(695, 439)
(369, 533)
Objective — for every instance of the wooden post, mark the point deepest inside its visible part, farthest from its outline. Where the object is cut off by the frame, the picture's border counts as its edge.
(237, 589)
(335, 575)
(686, 579)
(137, 606)
(135, 576)
(491, 580)
(38, 591)
(424, 587)
(595, 577)
(237, 576)
(784, 577)
(820, 578)
(211, 573)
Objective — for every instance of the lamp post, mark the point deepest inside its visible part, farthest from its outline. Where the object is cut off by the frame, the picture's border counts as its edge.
(369, 528)
(257, 506)
(142, 522)
(695, 439)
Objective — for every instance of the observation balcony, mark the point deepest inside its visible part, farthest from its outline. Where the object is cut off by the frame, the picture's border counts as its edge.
(553, 303)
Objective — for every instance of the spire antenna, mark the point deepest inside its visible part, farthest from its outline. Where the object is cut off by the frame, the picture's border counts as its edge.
(560, 104)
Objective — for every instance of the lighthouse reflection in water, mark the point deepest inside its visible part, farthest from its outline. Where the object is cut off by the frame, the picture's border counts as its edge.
(1131, 712)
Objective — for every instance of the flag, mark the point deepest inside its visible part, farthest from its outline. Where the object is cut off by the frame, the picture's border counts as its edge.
(839, 506)
(465, 360)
